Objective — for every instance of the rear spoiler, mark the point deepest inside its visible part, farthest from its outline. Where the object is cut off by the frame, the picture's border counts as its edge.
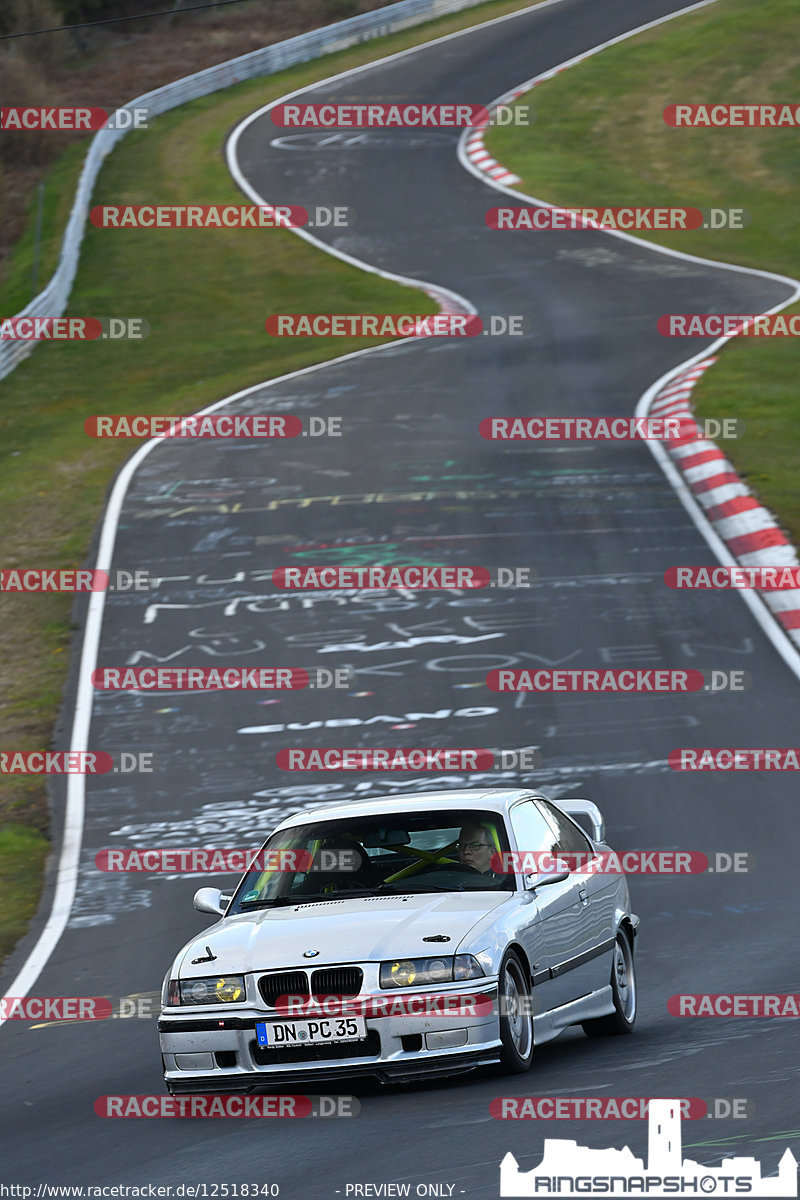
(585, 808)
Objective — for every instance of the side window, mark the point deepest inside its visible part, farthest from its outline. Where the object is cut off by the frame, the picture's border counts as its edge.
(532, 832)
(570, 838)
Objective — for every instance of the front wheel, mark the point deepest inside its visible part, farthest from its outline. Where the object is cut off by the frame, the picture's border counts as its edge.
(623, 987)
(516, 1018)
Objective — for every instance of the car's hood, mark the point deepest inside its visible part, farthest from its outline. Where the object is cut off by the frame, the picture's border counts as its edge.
(368, 929)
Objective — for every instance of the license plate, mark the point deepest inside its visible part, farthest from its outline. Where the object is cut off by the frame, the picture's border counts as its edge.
(311, 1033)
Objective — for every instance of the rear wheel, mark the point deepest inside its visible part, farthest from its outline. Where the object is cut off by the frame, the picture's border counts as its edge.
(516, 1019)
(623, 987)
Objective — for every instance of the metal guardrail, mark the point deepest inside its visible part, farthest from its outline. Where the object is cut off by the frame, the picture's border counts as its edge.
(52, 300)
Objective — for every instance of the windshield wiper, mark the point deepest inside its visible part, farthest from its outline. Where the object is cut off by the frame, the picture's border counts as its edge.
(291, 901)
(394, 888)
(398, 888)
(382, 889)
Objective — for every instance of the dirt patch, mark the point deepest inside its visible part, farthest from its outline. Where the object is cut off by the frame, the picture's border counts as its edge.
(108, 65)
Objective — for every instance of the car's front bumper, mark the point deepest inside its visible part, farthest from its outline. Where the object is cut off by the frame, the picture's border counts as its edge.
(218, 1052)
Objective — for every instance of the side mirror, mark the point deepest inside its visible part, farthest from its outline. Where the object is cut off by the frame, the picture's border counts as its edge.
(547, 877)
(211, 900)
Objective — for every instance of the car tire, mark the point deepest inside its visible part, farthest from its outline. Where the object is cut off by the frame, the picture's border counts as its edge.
(516, 1015)
(623, 987)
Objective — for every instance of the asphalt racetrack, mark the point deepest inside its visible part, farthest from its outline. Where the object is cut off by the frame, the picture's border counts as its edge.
(410, 479)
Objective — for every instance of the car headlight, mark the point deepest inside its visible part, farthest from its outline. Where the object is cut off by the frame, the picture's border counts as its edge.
(216, 989)
(422, 972)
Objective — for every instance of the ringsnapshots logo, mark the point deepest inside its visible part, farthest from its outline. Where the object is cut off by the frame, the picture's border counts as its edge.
(567, 1169)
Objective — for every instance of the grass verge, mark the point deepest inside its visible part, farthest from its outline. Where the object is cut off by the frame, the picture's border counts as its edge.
(600, 139)
(22, 855)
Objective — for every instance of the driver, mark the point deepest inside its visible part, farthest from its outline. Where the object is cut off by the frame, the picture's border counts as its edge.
(475, 849)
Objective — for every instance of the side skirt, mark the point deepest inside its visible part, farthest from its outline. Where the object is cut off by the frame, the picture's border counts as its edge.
(549, 1025)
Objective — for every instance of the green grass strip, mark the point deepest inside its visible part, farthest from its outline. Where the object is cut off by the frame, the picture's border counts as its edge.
(22, 856)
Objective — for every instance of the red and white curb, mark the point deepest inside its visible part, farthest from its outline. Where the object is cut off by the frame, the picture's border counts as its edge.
(480, 157)
(748, 529)
(450, 303)
(473, 145)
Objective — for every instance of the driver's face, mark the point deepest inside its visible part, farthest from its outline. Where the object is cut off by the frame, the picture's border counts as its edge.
(474, 848)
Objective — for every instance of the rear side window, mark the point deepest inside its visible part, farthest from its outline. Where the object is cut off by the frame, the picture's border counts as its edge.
(570, 838)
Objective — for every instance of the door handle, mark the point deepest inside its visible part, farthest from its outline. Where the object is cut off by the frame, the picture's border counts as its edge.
(583, 895)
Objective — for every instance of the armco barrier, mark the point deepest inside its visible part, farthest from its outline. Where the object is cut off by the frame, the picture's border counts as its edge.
(52, 301)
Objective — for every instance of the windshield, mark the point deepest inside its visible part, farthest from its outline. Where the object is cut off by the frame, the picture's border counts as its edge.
(450, 851)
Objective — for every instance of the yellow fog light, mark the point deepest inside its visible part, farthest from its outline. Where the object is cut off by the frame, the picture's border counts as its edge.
(403, 974)
(213, 990)
(230, 989)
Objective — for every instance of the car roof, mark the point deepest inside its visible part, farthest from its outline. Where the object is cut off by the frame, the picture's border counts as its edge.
(494, 799)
